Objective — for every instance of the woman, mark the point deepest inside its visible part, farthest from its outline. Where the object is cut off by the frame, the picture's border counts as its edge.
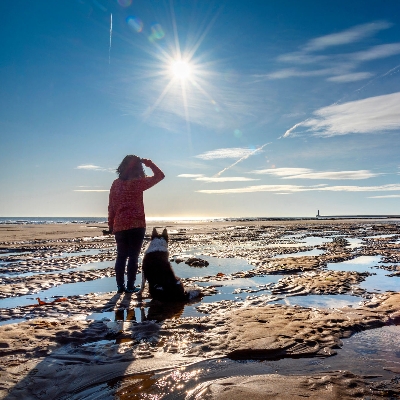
(126, 218)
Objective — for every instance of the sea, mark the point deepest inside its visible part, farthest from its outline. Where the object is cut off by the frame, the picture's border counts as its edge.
(101, 220)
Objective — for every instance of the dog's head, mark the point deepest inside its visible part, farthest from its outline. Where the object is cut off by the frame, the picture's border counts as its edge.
(163, 235)
(158, 242)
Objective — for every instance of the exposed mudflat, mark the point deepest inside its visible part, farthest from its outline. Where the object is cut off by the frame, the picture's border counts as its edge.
(50, 349)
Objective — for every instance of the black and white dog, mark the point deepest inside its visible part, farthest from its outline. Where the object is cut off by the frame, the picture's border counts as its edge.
(164, 285)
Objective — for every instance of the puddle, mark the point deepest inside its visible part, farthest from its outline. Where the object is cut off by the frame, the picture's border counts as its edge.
(256, 286)
(379, 282)
(12, 321)
(234, 289)
(313, 252)
(359, 264)
(103, 285)
(322, 300)
(216, 265)
(85, 252)
(354, 242)
(149, 310)
(108, 284)
(381, 236)
(13, 253)
(92, 266)
(135, 314)
(307, 241)
(84, 267)
(365, 353)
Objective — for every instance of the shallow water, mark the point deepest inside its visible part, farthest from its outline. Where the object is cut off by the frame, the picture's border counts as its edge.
(103, 285)
(307, 241)
(322, 300)
(379, 282)
(313, 252)
(382, 236)
(232, 289)
(216, 265)
(84, 267)
(354, 242)
(108, 284)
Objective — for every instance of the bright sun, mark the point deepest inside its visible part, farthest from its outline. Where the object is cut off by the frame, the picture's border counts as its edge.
(181, 69)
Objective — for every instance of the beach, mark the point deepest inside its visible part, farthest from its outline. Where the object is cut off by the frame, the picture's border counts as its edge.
(283, 311)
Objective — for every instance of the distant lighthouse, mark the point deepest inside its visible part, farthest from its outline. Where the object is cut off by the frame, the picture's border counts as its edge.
(318, 214)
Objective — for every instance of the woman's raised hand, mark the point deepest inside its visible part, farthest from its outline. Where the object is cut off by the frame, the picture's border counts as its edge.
(146, 162)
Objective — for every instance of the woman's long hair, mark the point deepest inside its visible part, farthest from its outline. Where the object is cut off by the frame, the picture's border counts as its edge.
(130, 168)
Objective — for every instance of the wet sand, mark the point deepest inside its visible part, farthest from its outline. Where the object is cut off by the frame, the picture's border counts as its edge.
(54, 352)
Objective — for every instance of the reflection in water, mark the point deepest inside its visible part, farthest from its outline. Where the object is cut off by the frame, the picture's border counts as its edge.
(120, 315)
(150, 311)
(154, 311)
(159, 311)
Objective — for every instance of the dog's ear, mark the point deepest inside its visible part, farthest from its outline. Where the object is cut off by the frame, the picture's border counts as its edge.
(165, 234)
(154, 234)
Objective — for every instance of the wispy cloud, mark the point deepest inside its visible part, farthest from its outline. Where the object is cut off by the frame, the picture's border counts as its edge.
(391, 187)
(371, 115)
(339, 67)
(234, 152)
(353, 77)
(214, 179)
(299, 188)
(388, 196)
(295, 72)
(299, 57)
(347, 36)
(190, 175)
(225, 179)
(381, 51)
(91, 167)
(281, 171)
(305, 173)
(353, 175)
(261, 188)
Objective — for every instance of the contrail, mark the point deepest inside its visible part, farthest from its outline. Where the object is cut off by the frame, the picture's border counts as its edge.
(109, 49)
(241, 159)
(289, 131)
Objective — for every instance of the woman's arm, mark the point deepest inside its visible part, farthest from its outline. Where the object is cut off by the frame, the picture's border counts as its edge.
(158, 174)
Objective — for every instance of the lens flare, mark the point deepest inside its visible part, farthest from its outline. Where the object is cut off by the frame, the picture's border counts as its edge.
(181, 69)
(135, 24)
(124, 3)
(157, 32)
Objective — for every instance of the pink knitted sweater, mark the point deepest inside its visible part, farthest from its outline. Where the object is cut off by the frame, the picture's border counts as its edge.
(125, 207)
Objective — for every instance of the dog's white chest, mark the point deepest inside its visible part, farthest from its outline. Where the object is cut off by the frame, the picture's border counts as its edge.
(157, 244)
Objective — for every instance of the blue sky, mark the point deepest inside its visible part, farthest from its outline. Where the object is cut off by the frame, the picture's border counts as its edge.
(256, 108)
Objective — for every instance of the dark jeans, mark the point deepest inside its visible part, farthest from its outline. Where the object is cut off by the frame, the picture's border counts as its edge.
(129, 243)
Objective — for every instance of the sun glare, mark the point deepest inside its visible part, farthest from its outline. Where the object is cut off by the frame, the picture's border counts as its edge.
(181, 69)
